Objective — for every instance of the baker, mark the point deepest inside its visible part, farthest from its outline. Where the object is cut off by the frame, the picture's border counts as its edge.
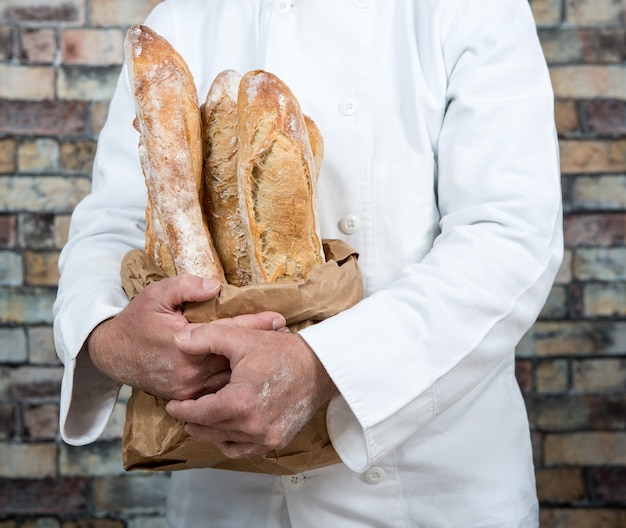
(441, 170)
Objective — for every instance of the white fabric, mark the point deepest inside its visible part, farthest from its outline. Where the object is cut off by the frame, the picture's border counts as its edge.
(439, 140)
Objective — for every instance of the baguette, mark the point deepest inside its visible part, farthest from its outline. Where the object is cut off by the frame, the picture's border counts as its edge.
(221, 199)
(277, 180)
(170, 151)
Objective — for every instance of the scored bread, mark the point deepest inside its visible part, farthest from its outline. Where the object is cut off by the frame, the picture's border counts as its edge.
(170, 151)
(277, 175)
(221, 197)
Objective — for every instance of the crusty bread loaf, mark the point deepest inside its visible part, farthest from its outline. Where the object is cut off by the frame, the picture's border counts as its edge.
(317, 146)
(170, 149)
(277, 180)
(221, 198)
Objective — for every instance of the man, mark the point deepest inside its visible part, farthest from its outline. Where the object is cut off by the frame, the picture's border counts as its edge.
(441, 170)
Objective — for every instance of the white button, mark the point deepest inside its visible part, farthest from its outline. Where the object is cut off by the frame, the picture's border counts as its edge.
(374, 475)
(349, 224)
(295, 481)
(282, 6)
(348, 107)
(363, 4)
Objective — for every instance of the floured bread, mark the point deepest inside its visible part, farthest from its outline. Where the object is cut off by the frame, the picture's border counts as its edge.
(220, 140)
(170, 150)
(277, 175)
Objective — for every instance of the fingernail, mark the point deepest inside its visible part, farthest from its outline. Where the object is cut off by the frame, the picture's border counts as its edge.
(183, 336)
(188, 430)
(279, 323)
(210, 284)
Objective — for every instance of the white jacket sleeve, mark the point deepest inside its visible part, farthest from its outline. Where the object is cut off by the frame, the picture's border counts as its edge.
(104, 227)
(408, 352)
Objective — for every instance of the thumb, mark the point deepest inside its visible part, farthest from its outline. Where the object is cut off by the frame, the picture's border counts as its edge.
(174, 291)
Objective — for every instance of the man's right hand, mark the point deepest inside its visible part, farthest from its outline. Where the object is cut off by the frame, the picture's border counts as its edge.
(139, 346)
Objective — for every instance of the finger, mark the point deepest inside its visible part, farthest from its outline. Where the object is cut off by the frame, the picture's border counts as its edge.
(241, 450)
(174, 291)
(258, 321)
(211, 434)
(206, 410)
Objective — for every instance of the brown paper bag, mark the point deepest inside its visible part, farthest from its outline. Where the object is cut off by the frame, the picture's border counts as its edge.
(154, 440)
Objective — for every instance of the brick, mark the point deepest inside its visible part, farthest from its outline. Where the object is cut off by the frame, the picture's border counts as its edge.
(42, 194)
(45, 496)
(42, 268)
(27, 383)
(61, 229)
(7, 155)
(560, 484)
(575, 45)
(120, 12)
(7, 422)
(43, 11)
(594, 230)
(559, 413)
(524, 374)
(581, 518)
(41, 349)
(546, 12)
(148, 522)
(13, 345)
(41, 422)
(11, 269)
(6, 43)
(585, 449)
(602, 192)
(608, 484)
(82, 83)
(604, 116)
(564, 275)
(592, 156)
(604, 299)
(566, 116)
(552, 376)
(77, 156)
(556, 304)
(26, 82)
(588, 81)
(95, 523)
(96, 47)
(591, 12)
(131, 494)
(27, 460)
(38, 45)
(7, 231)
(599, 375)
(100, 111)
(44, 117)
(95, 459)
(37, 231)
(38, 156)
(573, 338)
(605, 264)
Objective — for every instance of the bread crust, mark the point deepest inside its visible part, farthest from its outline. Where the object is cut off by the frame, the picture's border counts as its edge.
(170, 150)
(277, 182)
(221, 198)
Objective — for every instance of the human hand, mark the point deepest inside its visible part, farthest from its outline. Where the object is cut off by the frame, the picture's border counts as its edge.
(146, 345)
(276, 385)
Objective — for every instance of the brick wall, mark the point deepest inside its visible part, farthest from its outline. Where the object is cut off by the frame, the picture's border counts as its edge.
(59, 60)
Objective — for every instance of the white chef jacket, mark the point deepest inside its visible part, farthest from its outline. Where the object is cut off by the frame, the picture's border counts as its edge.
(441, 169)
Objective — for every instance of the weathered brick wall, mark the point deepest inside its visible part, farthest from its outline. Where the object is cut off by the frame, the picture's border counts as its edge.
(59, 60)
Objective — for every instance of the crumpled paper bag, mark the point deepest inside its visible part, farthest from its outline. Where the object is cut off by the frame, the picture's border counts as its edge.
(154, 440)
